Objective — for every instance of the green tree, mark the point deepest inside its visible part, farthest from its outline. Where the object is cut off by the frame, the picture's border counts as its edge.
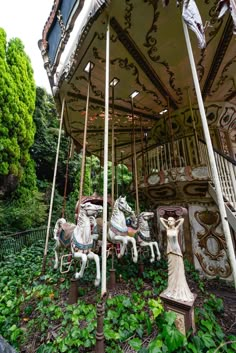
(21, 203)
(17, 97)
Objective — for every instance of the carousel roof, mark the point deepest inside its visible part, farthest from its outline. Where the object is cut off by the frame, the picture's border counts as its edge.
(147, 54)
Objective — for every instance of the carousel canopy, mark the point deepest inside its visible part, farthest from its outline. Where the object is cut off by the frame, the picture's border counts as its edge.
(148, 56)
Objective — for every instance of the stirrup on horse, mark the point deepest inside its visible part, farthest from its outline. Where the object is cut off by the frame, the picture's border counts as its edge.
(68, 262)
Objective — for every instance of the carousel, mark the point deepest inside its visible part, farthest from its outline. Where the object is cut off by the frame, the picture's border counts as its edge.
(151, 84)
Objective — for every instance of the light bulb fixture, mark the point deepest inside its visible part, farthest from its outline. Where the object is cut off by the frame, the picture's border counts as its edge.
(89, 67)
(114, 82)
(134, 94)
(163, 111)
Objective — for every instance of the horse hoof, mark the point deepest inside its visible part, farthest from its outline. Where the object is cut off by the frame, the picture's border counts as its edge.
(97, 282)
(158, 257)
(152, 260)
(78, 275)
(135, 259)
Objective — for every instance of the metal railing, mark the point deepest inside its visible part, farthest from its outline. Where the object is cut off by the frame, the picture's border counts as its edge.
(181, 153)
(13, 243)
(226, 167)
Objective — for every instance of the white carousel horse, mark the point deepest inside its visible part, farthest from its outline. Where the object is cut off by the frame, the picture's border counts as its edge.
(79, 238)
(142, 234)
(118, 231)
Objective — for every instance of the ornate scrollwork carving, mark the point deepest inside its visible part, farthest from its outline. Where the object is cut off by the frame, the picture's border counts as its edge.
(212, 270)
(151, 45)
(61, 23)
(124, 64)
(213, 245)
(128, 13)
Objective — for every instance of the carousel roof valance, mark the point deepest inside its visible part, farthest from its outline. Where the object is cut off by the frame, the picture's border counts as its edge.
(147, 54)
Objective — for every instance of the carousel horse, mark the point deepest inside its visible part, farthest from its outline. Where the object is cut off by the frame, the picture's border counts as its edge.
(141, 230)
(79, 238)
(118, 231)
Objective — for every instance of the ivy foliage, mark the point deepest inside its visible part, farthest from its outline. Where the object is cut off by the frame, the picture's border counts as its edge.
(34, 312)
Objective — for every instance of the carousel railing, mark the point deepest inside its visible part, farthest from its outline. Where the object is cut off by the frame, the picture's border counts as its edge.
(179, 153)
(13, 243)
(226, 167)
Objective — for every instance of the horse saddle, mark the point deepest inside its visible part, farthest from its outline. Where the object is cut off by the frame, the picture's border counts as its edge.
(68, 229)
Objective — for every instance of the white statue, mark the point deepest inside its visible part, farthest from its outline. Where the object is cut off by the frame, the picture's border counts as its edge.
(178, 288)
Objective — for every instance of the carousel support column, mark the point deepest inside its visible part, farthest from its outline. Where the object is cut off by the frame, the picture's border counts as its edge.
(100, 348)
(112, 281)
(112, 153)
(73, 291)
(113, 83)
(116, 170)
(142, 147)
(194, 127)
(134, 155)
(66, 180)
(122, 172)
(173, 152)
(88, 69)
(214, 171)
(53, 188)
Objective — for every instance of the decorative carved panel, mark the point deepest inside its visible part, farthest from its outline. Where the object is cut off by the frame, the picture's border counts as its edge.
(211, 252)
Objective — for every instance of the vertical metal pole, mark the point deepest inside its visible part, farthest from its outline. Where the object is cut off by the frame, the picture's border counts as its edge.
(53, 188)
(66, 180)
(101, 306)
(135, 161)
(116, 169)
(173, 152)
(84, 144)
(142, 147)
(122, 174)
(214, 171)
(194, 126)
(105, 178)
(112, 152)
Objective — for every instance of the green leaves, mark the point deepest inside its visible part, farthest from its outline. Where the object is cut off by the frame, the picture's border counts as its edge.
(156, 307)
(135, 343)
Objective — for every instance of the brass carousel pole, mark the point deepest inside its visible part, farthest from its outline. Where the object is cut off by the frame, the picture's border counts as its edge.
(88, 69)
(113, 83)
(66, 180)
(73, 291)
(53, 189)
(116, 169)
(134, 94)
(142, 147)
(171, 134)
(112, 153)
(101, 305)
(194, 125)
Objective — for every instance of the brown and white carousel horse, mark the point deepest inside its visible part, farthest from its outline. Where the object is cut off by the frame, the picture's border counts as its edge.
(118, 230)
(79, 238)
(140, 229)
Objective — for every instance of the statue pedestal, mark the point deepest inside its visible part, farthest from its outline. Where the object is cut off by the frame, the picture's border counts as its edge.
(184, 313)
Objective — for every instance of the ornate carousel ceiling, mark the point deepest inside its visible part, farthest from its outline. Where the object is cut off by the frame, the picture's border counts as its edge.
(148, 54)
